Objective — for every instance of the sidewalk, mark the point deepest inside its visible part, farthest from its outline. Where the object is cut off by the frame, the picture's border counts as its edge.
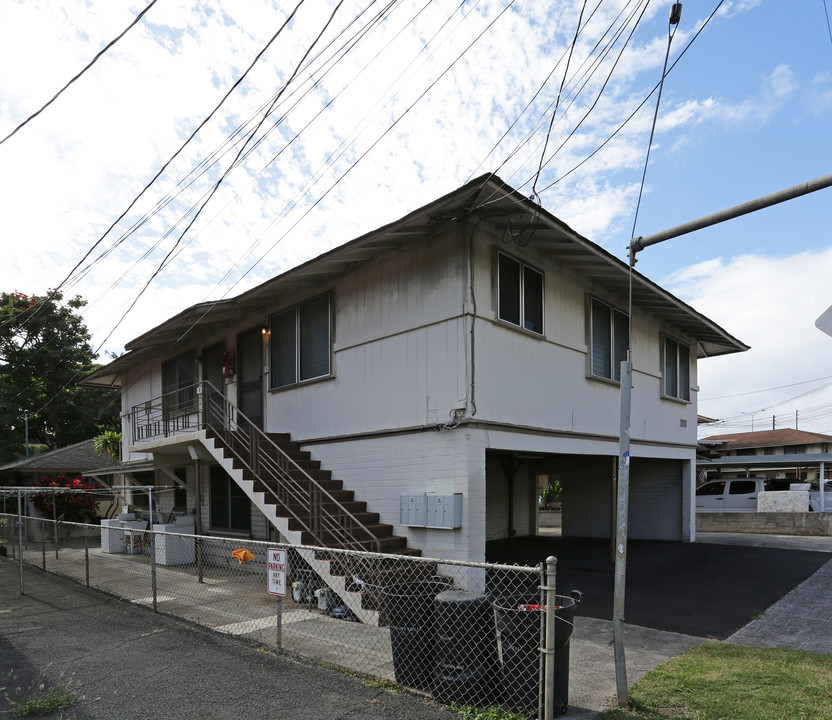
(124, 661)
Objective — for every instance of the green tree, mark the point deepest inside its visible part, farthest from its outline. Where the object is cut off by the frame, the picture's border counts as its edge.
(44, 351)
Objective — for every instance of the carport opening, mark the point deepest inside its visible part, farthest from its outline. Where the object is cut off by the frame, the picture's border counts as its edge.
(582, 502)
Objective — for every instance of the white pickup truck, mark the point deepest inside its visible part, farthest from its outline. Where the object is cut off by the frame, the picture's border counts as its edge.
(740, 494)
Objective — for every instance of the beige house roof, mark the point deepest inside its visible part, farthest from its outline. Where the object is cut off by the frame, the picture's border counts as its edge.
(766, 438)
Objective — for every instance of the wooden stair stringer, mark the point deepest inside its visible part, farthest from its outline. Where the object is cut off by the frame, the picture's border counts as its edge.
(337, 583)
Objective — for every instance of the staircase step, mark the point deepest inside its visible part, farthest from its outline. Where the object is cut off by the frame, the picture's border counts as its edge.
(368, 519)
(302, 468)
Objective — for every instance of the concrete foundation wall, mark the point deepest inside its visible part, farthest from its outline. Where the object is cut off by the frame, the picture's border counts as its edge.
(772, 523)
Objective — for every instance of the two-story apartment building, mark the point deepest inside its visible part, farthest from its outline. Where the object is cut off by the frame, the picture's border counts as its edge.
(422, 377)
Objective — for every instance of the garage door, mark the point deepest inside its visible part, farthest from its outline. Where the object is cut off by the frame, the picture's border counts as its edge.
(655, 499)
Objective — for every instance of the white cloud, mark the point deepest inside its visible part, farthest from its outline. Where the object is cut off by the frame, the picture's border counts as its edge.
(68, 175)
(771, 304)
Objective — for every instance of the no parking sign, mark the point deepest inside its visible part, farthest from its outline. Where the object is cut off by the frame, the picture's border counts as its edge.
(276, 571)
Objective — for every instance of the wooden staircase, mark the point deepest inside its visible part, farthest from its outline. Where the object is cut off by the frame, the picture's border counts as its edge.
(311, 508)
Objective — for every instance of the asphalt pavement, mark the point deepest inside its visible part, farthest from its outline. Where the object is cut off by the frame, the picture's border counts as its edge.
(124, 661)
(703, 589)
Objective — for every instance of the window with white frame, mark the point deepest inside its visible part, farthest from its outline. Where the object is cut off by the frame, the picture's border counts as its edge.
(610, 334)
(519, 294)
(676, 369)
(300, 343)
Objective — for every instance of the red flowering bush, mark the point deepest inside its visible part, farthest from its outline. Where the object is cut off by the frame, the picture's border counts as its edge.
(75, 507)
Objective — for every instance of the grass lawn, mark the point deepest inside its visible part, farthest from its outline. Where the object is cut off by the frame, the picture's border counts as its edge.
(720, 681)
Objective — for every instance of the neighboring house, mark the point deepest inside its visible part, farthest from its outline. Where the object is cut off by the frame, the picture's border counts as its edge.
(784, 454)
(77, 459)
(431, 370)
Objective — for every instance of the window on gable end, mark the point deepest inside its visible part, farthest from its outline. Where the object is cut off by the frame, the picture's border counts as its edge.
(676, 370)
(300, 343)
(519, 294)
(610, 335)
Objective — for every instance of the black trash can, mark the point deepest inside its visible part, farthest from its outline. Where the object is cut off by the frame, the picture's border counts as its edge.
(467, 669)
(410, 614)
(518, 620)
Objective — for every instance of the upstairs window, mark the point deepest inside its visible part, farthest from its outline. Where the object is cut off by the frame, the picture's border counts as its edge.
(610, 331)
(300, 343)
(676, 370)
(519, 294)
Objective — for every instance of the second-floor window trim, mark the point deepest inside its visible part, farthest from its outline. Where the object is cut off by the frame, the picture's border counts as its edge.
(676, 370)
(610, 340)
(301, 343)
(519, 294)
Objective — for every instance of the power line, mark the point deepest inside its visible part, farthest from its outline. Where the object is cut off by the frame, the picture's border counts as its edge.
(755, 392)
(83, 70)
(193, 134)
(557, 100)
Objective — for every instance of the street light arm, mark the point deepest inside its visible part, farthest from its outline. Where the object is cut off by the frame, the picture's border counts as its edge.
(805, 188)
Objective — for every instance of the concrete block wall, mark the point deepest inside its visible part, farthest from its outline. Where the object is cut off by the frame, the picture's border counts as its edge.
(773, 523)
(382, 469)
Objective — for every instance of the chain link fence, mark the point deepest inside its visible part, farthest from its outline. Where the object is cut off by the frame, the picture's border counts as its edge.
(465, 633)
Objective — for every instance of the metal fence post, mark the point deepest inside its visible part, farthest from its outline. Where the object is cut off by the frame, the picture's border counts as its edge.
(279, 625)
(152, 545)
(43, 543)
(86, 557)
(20, 537)
(549, 649)
(55, 520)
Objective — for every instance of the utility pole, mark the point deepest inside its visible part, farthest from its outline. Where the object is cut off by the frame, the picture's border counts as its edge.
(637, 244)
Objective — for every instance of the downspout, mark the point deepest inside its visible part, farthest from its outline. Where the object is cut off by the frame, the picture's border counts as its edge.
(473, 313)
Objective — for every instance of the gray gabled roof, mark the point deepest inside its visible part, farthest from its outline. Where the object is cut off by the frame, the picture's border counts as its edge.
(486, 198)
(72, 458)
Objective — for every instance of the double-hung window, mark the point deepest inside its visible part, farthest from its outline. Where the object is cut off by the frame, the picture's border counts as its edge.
(610, 332)
(676, 369)
(300, 343)
(519, 294)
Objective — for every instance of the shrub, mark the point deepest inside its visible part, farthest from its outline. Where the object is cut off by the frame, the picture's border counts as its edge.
(75, 507)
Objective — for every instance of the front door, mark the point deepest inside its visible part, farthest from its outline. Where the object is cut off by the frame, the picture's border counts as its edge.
(250, 375)
(212, 374)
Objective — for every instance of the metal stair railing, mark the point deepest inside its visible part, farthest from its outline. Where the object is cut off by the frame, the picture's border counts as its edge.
(302, 497)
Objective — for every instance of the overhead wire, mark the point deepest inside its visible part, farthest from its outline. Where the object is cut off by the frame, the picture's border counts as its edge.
(204, 165)
(557, 100)
(594, 67)
(78, 75)
(219, 182)
(640, 105)
(193, 134)
(358, 160)
(166, 234)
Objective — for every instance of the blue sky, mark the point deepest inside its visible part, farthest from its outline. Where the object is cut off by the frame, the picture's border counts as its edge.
(414, 109)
